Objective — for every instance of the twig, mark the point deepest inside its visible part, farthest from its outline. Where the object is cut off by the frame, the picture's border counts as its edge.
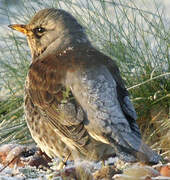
(9, 162)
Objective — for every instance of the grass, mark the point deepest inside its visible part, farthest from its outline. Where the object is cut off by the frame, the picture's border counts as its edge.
(139, 40)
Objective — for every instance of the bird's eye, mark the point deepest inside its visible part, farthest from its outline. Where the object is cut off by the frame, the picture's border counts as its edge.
(38, 30)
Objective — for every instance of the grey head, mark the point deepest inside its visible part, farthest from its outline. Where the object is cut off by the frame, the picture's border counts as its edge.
(52, 29)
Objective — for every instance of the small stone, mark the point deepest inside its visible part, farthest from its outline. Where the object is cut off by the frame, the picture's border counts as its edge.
(141, 171)
(165, 170)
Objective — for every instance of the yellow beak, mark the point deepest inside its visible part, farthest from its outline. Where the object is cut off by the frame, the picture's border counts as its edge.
(19, 27)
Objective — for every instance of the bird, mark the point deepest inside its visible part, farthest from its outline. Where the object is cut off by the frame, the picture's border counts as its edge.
(76, 103)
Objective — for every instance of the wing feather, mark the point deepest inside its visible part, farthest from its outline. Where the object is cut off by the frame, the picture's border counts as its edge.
(123, 97)
(95, 90)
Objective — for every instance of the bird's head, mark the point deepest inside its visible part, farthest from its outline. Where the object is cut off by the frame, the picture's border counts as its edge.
(51, 29)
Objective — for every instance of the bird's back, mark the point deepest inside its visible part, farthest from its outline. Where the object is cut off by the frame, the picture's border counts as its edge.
(109, 119)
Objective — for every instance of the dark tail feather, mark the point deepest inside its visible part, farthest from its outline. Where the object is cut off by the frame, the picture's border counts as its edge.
(145, 154)
(131, 148)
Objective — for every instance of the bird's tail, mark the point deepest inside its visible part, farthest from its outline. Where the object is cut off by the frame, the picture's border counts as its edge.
(144, 154)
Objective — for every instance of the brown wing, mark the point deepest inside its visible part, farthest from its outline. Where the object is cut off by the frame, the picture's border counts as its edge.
(45, 87)
(65, 117)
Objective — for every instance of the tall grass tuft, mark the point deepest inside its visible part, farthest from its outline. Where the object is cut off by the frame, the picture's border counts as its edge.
(138, 39)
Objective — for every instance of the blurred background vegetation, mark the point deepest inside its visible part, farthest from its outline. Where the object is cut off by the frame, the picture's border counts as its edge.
(136, 36)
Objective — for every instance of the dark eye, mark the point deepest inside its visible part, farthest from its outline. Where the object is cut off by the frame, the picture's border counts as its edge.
(38, 31)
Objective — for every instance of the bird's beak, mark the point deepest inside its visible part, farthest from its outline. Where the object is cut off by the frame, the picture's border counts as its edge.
(19, 27)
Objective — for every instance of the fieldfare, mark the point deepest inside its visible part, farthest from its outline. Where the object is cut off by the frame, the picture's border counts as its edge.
(75, 99)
